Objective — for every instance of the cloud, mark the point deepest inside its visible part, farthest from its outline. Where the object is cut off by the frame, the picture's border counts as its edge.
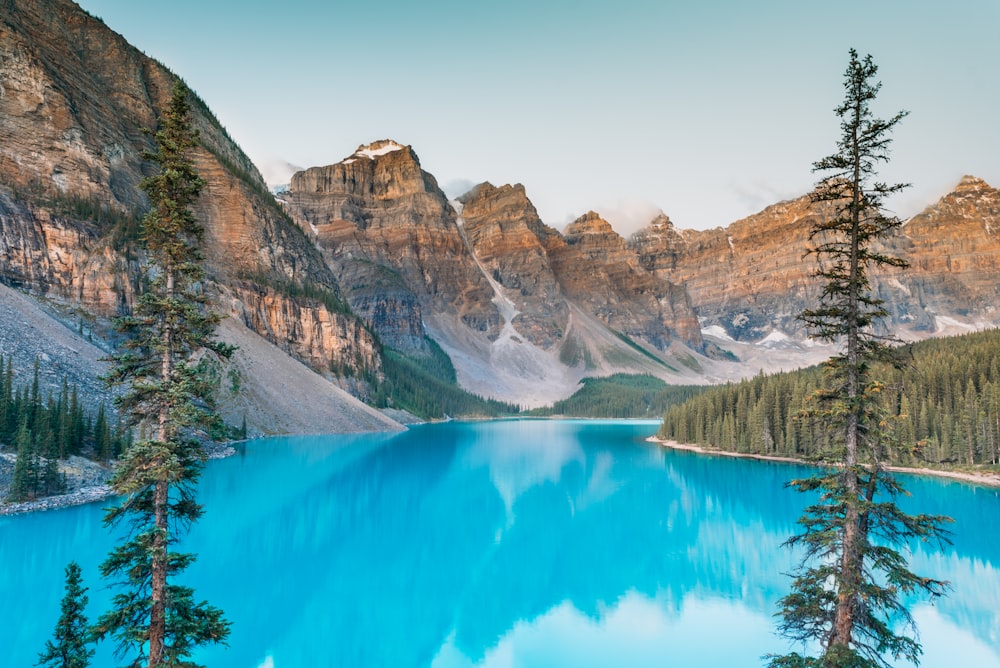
(458, 187)
(629, 215)
(276, 171)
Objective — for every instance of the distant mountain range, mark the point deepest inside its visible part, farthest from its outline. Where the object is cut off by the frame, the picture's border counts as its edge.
(368, 253)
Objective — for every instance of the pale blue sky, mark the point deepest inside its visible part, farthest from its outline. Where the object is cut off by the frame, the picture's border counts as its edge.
(707, 110)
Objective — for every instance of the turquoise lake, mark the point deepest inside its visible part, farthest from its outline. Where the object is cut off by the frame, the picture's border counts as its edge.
(507, 544)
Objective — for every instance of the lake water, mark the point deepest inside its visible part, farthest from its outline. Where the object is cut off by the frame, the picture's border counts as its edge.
(509, 544)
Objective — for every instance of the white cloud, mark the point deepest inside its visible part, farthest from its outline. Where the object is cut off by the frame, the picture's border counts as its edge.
(276, 171)
(629, 215)
(458, 187)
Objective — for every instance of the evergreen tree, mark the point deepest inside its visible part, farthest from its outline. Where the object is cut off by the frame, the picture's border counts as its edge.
(846, 594)
(169, 396)
(71, 636)
(24, 482)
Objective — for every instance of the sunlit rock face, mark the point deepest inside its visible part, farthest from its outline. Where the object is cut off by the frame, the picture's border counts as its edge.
(75, 99)
(599, 270)
(509, 239)
(953, 247)
(391, 235)
(755, 276)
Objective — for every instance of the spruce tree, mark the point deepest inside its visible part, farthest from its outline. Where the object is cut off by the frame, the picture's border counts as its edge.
(155, 620)
(71, 638)
(847, 593)
(24, 482)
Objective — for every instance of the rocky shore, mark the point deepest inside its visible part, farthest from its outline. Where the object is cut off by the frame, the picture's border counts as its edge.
(985, 478)
(86, 481)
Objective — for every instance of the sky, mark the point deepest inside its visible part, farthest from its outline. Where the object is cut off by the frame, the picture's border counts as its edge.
(707, 110)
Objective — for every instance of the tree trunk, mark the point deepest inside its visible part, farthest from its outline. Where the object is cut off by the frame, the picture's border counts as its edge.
(161, 497)
(850, 566)
(158, 577)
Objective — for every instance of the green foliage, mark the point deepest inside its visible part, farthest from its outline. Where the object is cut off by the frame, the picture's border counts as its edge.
(123, 223)
(314, 292)
(168, 398)
(942, 408)
(427, 387)
(621, 396)
(848, 590)
(573, 352)
(44, 431)
(72, 636)
(642, 351)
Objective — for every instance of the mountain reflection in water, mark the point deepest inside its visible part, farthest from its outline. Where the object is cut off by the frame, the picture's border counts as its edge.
(507, 543)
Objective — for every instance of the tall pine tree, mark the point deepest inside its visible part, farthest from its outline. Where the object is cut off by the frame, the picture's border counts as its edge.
(71, 638)
(847, 593)
(156, 620)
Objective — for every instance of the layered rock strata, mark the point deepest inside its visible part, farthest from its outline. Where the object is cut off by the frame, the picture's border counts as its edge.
(75, 99)
(387, 229)
(754, 277)
(507, 236)
(598, 270)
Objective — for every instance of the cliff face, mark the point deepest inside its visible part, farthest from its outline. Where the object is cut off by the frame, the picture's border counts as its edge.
(754, 277)
(523, 312)
(74, 100)
(747, 278)
(953, 247)
(598, 270)
(507, 236)
(389, 232)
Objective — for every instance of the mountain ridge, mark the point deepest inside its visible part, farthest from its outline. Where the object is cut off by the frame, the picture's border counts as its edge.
(368, 253)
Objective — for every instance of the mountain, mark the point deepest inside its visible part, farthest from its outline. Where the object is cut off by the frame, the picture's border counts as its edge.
(748, 281)
(523, 311)
(368, 254)
(74, 103)
(389, 233)
(511, 244)
(598, 269)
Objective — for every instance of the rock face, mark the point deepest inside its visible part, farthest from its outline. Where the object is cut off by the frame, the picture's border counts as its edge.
(390, 234)
(753, 277)
(598, 270)
(522, 311)
(747, 278)
(953, 247)
(509, 239)
(74, 100)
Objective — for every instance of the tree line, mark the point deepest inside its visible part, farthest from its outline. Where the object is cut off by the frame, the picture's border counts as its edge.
(427, 387)
(44, 430)
(942, 407)
(621, 395)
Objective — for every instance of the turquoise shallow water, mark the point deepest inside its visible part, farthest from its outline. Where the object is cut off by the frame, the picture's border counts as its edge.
(508, 544)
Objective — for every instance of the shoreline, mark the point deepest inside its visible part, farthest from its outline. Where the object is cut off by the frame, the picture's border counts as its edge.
(94, 493)
(983, 479)
(77, 497)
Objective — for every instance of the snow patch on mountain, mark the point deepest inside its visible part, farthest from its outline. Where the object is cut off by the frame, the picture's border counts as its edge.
(372, 151)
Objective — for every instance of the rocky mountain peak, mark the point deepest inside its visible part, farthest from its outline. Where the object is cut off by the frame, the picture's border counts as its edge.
(589, 223)
(970, 182)
(511, 199)
(382, 170)
(972, 205)
(377, 149)
(660, 232)
(661, 222)
(487, 191)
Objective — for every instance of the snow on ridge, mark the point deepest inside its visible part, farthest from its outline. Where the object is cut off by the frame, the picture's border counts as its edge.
(774, 337)
(716, 331)
(943, 322)
(371, 153)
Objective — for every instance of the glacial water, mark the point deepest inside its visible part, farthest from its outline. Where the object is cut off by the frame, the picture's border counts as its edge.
(509, 544)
